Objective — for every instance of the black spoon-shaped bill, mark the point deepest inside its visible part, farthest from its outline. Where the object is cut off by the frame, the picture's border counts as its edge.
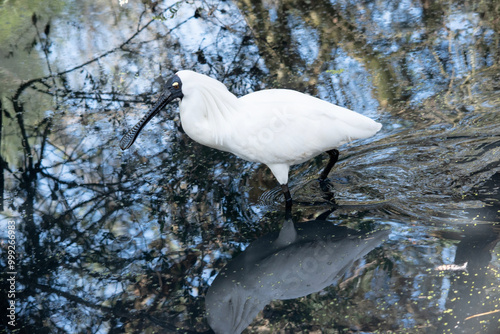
(130, 137)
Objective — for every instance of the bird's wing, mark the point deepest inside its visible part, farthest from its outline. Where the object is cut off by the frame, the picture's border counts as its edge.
(286, 125)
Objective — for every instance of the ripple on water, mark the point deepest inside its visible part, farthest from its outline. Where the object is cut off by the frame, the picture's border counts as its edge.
(420, 176)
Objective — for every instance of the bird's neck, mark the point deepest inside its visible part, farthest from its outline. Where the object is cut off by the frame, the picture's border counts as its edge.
(207, 114)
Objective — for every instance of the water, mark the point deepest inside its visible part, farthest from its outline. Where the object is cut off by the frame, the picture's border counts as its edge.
(111, 241)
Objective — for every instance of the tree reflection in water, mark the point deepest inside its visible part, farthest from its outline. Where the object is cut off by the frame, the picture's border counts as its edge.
(110, 242)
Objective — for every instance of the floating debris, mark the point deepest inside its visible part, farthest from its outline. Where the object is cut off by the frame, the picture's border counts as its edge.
(452, 267)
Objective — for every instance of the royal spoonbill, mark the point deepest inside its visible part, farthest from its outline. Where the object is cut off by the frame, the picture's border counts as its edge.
(276, 127)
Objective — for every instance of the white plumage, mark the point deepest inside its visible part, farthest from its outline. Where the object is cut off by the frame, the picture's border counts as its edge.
(277, 127)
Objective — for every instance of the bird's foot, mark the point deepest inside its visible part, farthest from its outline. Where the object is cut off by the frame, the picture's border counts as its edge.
(327, 189)
(325, 185)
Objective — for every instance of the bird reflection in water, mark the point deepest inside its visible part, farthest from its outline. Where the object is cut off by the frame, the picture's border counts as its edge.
(299, 260)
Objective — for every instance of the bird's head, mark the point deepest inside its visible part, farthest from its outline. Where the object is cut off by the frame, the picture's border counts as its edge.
(172, 91)
(199, 92)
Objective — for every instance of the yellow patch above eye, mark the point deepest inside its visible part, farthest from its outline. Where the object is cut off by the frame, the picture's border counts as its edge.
(175, 85)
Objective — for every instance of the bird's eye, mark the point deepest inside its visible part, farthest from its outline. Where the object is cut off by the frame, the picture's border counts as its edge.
(175, 85)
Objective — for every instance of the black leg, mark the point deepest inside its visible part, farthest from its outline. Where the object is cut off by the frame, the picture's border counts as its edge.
(323, 183)
(286, 192)
(334, 156)
(288, 201)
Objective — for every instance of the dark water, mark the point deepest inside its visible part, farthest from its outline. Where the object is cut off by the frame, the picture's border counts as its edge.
(110, 241)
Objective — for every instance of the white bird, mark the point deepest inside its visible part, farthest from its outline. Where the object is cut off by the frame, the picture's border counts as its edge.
(276, 127)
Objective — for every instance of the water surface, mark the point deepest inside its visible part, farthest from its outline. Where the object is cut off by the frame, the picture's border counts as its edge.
(110, 241)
